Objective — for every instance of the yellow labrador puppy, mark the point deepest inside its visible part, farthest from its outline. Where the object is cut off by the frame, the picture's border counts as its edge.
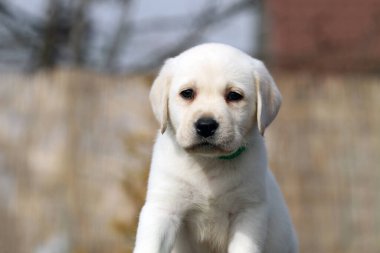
(210, 189)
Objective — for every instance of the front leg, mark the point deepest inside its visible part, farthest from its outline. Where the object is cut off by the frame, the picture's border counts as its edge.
(156, 230)
(249, 230)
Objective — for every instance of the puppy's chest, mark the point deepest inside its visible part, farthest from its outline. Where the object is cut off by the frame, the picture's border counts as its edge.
(211, 215)
(209, 223)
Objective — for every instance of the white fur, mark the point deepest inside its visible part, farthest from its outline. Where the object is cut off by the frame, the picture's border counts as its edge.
(196, 202)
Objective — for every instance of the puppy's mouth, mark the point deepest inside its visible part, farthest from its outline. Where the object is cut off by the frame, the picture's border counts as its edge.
(206, 148)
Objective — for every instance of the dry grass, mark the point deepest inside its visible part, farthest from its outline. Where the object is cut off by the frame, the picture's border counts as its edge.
(325, 151)
(75, 150)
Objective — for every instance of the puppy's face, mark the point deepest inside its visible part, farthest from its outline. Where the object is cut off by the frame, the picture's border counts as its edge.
(211, 105)
(210, 96)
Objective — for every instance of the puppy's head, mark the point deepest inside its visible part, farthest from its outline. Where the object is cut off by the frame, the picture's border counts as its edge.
(213, 96)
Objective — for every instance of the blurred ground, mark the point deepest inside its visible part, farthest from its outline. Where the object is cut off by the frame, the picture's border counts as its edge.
(75, 150)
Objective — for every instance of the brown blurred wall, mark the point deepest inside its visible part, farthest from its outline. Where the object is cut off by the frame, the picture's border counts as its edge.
(324, 35)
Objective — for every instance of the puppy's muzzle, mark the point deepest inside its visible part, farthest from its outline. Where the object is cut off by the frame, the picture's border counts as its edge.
(206, 127)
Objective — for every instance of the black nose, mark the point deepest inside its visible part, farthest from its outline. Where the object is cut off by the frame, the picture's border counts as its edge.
(206, 127)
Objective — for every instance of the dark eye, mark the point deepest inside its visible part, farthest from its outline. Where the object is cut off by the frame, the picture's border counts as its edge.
(233, 96)
(187, 94)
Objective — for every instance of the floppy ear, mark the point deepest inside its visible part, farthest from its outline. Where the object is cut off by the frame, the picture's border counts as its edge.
(159, 95)
(268, 97)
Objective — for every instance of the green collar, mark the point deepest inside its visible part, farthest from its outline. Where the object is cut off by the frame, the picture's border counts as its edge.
(234, 154)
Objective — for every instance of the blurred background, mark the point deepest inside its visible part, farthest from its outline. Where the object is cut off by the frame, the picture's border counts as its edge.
(76, 128)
